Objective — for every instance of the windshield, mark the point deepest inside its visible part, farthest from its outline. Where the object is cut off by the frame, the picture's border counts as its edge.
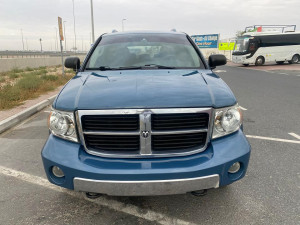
(241, 44)
(139, 50)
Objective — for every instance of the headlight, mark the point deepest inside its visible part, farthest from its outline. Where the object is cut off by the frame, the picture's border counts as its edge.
(227, 120)
(62, 124)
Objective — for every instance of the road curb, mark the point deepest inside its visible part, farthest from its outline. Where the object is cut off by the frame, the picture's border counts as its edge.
(21, 116)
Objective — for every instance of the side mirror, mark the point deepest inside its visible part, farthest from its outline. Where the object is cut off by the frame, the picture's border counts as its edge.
(72, 63)
(216, 60)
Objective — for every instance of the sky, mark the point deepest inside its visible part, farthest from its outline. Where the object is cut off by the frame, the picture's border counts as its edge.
(38, 18)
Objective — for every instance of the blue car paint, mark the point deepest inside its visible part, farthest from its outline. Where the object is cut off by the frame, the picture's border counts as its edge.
(151, 88)
(216, 159)
(144, 89)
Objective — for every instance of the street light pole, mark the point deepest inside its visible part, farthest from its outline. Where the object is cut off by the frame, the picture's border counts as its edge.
(22, 39)
(74, 28)
(92, 19)
(123, 24)
(41, 45)
(65, 35)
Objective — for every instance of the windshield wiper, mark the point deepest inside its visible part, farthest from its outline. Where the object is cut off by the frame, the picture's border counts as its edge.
(103, 68)
(129, 68)
(120, 68)
(159, 66)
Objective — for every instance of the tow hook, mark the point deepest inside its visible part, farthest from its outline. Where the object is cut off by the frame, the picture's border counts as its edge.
(199, 192)
(92, 195)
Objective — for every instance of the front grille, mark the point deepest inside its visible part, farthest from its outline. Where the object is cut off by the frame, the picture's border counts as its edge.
(109, 143)
(110, 122)
(178, 141)
(182, 121)
(144, 132)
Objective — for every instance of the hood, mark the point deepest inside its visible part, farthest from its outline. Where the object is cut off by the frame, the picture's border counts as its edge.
(144, 89)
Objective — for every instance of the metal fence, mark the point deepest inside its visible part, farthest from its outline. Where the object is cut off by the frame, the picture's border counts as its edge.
(36, 54)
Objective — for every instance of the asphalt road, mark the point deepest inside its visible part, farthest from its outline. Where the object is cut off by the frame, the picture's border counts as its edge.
(269, 194)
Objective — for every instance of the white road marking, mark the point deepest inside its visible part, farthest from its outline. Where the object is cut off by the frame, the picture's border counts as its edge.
(47, 111)
(102, 201)
(273, 139)
(295, 135)
(267, 71)
(242, 108)
(220, 71)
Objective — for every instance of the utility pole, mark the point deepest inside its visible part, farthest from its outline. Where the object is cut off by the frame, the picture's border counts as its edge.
(56, 38)
(92, 19)
(65, 35)
(75, 48)
(41, 45)
(22, 40)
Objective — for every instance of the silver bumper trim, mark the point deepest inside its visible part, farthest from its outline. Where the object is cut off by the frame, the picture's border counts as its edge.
(146, 188)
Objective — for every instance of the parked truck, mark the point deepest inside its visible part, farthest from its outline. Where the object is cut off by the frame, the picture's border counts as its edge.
(145, 115)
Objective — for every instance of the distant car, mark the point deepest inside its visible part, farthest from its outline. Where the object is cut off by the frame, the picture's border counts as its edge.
(145, 115)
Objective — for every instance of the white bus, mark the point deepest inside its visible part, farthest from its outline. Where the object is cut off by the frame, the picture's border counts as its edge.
(259, 48)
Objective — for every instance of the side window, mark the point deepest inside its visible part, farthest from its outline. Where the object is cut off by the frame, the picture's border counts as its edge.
(252, 47)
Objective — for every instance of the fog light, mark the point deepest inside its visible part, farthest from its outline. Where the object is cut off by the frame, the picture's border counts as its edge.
(235, 167)
(57, 172)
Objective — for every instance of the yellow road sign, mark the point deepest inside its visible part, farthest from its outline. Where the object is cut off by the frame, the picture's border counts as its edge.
(226, 46)
(60, 29)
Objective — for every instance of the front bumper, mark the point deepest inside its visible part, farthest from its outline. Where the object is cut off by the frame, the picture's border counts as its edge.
(151, 176)
(148, 187)
(241, 59)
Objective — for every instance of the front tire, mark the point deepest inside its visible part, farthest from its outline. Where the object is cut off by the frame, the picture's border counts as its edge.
(259, 61)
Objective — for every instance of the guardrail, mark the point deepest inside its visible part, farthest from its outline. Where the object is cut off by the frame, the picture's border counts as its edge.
(21, 61)
(36, 54)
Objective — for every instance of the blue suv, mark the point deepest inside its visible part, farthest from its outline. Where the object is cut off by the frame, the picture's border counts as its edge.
(145, 115)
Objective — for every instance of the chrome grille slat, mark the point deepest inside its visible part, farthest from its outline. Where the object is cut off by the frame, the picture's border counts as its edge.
(131, 133)
(111, 132)
(178, 131)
